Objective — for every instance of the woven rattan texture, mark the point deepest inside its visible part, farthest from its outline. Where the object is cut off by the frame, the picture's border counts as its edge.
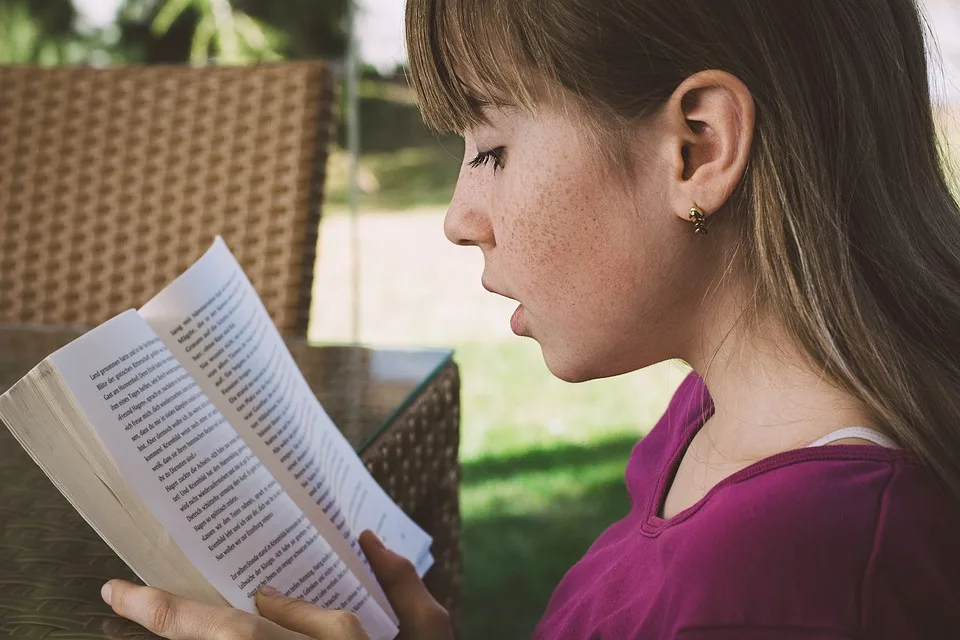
(417, 463)
(53, 562)
(113, 181)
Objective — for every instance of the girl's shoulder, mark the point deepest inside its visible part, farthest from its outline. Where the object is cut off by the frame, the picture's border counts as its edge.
(859, 535)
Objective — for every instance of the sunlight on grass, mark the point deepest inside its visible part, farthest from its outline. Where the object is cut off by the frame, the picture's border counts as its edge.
(527, 518)
(541, 491)
(511, 402)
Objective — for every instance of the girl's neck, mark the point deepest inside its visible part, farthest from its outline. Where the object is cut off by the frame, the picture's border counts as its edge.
(768, 398)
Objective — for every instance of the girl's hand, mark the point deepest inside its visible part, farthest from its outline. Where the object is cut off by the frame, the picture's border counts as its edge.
(281, 618)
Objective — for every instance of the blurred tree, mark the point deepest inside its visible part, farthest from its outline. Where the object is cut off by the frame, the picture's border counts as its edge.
(174, 31)
(39, 31)
(232, 32)
(221, 33)
(311, 28)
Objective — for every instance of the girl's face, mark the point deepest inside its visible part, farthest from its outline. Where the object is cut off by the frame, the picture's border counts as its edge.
(601, 265)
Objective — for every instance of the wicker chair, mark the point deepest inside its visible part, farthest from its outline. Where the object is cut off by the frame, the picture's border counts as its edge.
(113, 181)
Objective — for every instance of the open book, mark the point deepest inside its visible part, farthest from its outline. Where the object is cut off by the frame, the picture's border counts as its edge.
(190, 441)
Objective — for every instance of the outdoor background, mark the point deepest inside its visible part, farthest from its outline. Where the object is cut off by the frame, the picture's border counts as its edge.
(543, 460)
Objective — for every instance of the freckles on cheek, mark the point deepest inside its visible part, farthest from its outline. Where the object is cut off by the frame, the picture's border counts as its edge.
(572, 218)
(549, 219)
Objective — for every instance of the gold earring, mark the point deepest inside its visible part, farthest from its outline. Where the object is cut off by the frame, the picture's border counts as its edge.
(699, 222)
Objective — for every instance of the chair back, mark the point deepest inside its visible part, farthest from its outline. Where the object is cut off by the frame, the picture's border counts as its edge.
(113, 181)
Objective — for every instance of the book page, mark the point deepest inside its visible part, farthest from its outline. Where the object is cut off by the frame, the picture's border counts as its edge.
(214, 322)
(218, 502)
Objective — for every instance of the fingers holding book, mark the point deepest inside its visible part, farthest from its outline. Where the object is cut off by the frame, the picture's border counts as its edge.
(177, 618)
(282, 618)
(421, 616)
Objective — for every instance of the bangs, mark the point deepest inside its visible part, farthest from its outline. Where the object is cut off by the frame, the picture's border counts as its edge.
(467, 54)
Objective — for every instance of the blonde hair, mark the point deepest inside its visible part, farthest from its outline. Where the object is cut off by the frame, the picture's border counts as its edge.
(844, 213)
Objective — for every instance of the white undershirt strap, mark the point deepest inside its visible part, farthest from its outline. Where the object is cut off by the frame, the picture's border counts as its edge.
(863, 433)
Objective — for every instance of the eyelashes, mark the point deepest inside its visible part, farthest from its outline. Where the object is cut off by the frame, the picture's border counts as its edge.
(485, 157)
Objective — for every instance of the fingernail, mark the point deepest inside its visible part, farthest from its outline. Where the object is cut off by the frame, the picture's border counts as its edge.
(375, 540)
(106, 591)
(271, 592)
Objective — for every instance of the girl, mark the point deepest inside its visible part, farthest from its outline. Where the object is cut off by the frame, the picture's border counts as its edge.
(751, 186)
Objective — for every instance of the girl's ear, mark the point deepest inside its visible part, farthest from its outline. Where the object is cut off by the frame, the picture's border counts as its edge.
(711, 117)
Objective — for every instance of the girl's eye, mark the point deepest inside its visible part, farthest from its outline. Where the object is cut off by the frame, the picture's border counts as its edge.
(485, 157)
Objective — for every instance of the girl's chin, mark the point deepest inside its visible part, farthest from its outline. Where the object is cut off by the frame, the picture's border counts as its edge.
(565, 366)
(518, 323)
(571, 364)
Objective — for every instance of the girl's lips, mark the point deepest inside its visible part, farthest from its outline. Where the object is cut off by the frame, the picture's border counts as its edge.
(516, 320)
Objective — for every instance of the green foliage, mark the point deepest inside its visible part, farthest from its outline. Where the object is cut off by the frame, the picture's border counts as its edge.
(310, 29)
(39, 32)
(233, 32)
(221, 33)
(174, 31)
(413, 177)
(404, 164)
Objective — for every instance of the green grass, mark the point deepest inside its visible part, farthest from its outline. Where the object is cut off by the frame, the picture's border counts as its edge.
(511, 402)
(527, 519)
(543, 465)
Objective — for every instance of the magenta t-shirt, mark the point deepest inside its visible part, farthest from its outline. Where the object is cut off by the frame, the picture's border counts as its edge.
(838, 541)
